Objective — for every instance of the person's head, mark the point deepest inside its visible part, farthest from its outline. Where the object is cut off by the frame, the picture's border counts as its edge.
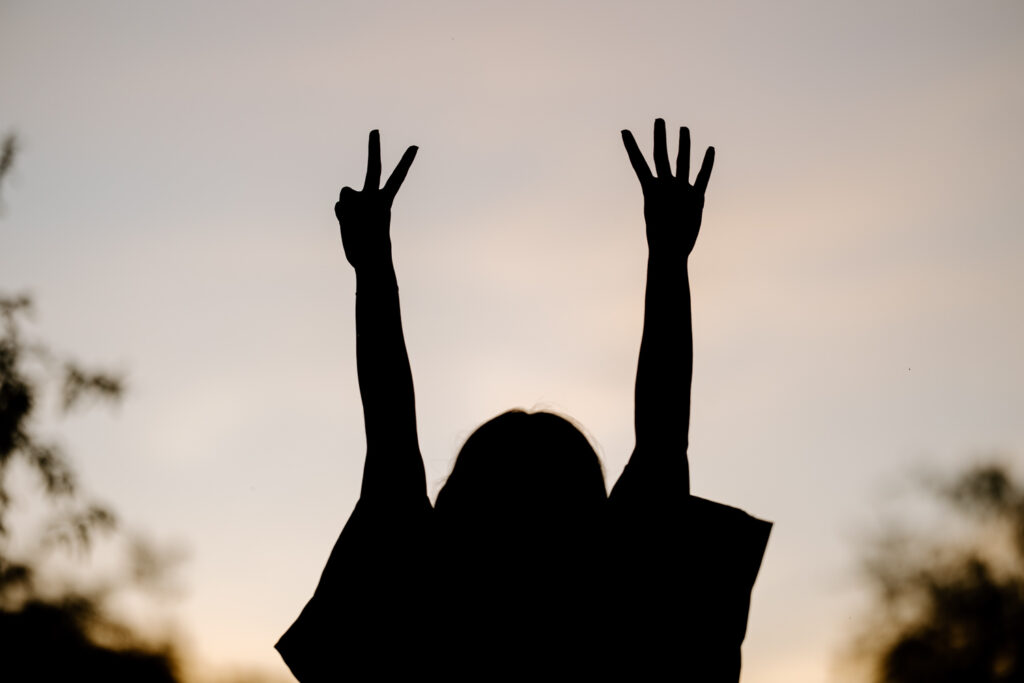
(534, 473)
(519, 527)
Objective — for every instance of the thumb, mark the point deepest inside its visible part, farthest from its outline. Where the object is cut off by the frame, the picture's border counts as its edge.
(344, 199)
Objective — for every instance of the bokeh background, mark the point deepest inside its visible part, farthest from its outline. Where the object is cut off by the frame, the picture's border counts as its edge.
(856, 284)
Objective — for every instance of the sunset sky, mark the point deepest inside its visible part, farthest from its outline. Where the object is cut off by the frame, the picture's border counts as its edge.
(857, 283)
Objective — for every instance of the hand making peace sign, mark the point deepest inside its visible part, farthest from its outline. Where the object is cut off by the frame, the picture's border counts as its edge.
(365, 216)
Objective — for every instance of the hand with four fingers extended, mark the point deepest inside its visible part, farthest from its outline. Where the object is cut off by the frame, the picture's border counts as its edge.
(672, 206)
(365, 216)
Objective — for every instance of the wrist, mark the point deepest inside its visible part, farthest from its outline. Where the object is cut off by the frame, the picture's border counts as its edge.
(668, 260)
(376, 276)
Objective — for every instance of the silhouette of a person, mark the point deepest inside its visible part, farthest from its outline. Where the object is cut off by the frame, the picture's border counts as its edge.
(503, 577)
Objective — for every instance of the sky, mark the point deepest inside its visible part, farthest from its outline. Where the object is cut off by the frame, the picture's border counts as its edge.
(856, 282)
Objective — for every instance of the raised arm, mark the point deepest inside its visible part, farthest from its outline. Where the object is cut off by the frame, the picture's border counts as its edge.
(394, 467)
(672, 210)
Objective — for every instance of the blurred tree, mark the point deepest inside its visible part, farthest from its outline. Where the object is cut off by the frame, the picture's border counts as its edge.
(7, 150)
(63, 634)
(952, 610)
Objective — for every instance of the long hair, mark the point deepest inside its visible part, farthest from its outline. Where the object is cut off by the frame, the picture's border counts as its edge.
(531, 472)
(518, 544)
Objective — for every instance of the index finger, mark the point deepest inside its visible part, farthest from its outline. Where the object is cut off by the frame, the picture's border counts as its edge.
(640, 167)
(704, 174)
(372, 181)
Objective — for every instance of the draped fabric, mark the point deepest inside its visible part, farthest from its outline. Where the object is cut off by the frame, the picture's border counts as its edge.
(663, 590)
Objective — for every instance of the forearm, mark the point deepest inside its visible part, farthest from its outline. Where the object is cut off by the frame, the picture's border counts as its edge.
(393, 459)
(665, 365)
(672, 211)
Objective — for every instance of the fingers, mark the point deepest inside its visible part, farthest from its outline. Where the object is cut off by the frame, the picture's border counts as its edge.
(347, 193)
(372, 181)
(398, 175)
(683, 157)
(640, 167)
(661, 150)
(704, 174)
(373, 163)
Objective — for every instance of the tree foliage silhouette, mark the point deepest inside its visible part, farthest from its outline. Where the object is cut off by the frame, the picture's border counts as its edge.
(952, 610)
(64, 633)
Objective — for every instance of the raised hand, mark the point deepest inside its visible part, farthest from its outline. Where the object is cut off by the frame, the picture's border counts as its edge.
(365, 216)
(672, 206)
